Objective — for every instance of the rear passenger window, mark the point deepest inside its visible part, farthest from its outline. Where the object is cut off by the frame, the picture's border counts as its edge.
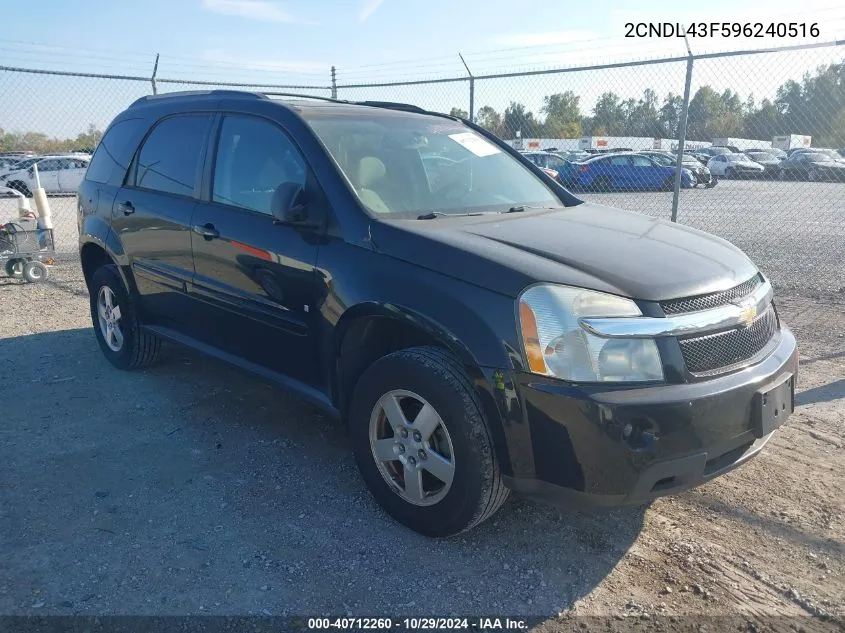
(170, 157)
(254, 157)
(111, 153)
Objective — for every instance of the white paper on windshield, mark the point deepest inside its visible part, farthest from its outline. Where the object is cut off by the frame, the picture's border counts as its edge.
(475, 144)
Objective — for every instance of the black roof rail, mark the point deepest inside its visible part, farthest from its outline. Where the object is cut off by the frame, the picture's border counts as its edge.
(297, 95)
(392, 105)
(197, 93)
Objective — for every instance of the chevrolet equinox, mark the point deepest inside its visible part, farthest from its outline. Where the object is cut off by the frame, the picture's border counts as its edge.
(478, 327)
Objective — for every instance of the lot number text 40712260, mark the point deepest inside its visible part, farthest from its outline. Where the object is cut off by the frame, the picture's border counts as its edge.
(418, 624)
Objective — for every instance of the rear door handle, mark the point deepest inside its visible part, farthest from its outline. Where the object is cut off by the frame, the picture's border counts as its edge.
(127, 207)
(206, 230)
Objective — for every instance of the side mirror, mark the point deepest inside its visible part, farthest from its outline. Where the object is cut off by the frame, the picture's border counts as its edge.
(288, 205)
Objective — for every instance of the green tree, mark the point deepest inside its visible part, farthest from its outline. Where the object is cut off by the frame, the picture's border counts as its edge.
(608, 115)
(461, 114)
(563, 117)
(490, 120)
(518, 119)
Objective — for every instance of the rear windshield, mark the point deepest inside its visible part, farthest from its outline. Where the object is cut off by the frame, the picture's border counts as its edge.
(408, 165)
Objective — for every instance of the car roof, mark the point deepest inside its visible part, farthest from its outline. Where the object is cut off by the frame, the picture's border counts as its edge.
(301, 104)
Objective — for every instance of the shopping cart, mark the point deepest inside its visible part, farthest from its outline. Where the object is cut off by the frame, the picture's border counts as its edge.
(26, 252)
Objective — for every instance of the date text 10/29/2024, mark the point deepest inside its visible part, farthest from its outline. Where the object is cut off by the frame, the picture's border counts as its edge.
(722, 29)
(418, 624)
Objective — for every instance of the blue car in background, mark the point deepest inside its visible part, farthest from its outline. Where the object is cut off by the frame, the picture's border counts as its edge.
(629, 171)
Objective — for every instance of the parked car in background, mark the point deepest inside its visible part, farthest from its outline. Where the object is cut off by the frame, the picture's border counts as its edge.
(734, 166)
(494, 333)
(549, 160)
(57, 174)
(714, 151)
(777, 153)
(812, 166)
(7, 163)
(770, 162)
(623, 171)
(701, 173)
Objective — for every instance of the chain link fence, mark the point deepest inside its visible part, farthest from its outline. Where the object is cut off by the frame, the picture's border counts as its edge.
(762, 132)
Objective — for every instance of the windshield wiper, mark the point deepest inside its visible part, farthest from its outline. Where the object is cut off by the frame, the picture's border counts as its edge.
(440, 214)
(522, 207)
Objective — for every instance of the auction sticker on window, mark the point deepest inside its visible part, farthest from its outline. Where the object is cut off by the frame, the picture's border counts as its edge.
(475, 144)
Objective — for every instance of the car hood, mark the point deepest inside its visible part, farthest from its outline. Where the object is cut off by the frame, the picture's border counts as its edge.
(588, 245)
(831, 163)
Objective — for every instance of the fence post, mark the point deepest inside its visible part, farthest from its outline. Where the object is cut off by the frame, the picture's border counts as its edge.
(682, 136)
(471, 89)
(334, 83)
(153, 78)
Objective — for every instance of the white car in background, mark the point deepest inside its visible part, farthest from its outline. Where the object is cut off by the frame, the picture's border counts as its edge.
(58, 174)
(734, 166)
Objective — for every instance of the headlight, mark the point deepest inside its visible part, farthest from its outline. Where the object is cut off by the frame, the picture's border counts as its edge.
(556, 345)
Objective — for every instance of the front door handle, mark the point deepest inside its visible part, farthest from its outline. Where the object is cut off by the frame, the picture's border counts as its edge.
(127, 207)
(206, 230)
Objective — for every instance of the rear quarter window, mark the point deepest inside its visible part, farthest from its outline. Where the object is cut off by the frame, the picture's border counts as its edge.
(111, 154)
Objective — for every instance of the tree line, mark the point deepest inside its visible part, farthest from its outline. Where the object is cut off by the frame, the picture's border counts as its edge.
(43, 144)
(814, 106)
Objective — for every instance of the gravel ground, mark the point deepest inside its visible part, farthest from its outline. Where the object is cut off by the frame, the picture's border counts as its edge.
(191, 488)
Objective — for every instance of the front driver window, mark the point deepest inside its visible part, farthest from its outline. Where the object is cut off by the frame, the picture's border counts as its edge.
(254, 157)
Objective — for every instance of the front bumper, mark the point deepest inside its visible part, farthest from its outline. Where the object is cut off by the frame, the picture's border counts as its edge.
(567, 443)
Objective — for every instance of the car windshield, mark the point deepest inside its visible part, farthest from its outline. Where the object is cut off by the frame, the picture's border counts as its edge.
(761, 156)
(381, 154)
(662, 159)
(817, 157)
(736, 158)
(24, 164)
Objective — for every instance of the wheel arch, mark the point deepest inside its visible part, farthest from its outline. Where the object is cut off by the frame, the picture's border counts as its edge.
(98, 245)
(369, 331)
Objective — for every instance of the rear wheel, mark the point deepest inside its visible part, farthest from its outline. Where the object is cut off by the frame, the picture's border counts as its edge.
(35, 272)
(602, 183)
(116, 326)
(422, 443)
(22, 187)
(14, 268)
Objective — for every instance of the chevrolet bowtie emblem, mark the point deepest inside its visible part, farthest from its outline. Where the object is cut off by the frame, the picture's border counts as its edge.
(747, 313)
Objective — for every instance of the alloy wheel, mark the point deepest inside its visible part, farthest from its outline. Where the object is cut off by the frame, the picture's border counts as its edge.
(412, 447)
(108, 316)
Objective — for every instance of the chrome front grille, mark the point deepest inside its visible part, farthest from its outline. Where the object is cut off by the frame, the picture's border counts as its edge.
(711, 300)
(717, 353)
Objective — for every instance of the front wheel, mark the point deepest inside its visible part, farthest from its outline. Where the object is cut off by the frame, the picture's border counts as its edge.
(422, 443)
(116, 326)
(34, 272)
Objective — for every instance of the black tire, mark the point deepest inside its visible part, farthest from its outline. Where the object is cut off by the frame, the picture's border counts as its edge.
(477, 490)
(17, 185)
(139, 347)
(35, 272)
(14, 268)
(602, 183)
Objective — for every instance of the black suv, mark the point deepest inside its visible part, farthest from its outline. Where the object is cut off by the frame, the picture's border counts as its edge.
(478, 327)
